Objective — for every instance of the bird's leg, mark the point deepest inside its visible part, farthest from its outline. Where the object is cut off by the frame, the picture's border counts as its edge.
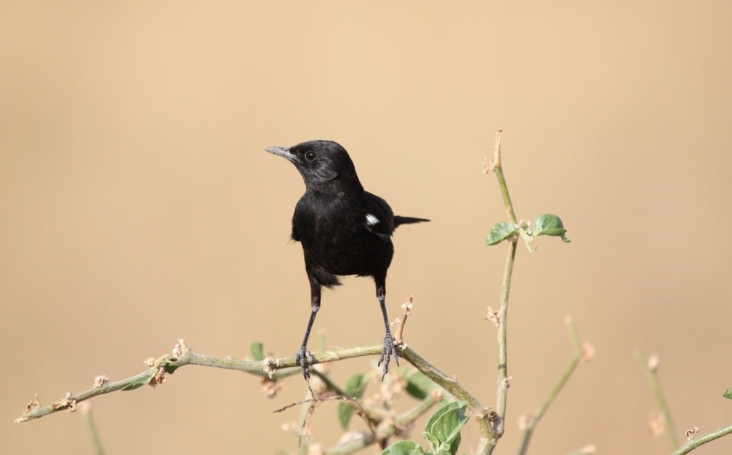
(303, 357)
(389, 348)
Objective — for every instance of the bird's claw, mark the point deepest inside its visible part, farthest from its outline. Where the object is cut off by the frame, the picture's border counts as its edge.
(388, 351)
(304, 358)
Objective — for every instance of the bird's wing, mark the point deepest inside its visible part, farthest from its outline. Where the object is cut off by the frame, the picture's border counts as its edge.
(303, 220)
(378, 219)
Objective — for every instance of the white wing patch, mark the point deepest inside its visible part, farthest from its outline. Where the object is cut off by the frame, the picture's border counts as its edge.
(371, 219)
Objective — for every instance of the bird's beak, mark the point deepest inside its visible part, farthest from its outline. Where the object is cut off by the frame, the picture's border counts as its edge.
(281, 151)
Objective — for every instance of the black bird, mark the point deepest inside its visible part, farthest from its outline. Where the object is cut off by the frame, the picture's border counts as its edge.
(343, 229)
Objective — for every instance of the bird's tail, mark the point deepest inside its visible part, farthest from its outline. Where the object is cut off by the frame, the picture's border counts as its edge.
(399, 220)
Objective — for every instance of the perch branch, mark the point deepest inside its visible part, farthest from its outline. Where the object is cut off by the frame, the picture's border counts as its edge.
(168, 363)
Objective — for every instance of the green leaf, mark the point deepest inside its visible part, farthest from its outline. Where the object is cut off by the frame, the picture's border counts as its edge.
(418, 385)
(257, 350)
(443, 427)
(728, 393)
(500, 232)
(404, 448)
(354, 389)
(549, 224)
(139, 382)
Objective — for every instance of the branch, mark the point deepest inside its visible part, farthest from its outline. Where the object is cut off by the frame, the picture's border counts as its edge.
(155, 374)
(268, 368)
(502, 315)
(484, 416)
(696, 442)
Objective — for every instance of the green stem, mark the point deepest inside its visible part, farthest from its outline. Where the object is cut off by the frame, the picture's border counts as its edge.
(503, 379)
(696, 442)
(502, 334)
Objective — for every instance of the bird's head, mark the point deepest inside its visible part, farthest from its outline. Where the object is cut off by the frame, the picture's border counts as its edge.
(322, 164)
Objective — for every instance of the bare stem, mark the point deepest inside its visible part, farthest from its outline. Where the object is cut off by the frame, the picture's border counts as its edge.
(503, 378)
(651, 372)
(502, 333)
(573, 364)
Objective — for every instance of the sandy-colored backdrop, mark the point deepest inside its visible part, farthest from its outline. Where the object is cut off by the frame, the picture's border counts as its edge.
(138, 207)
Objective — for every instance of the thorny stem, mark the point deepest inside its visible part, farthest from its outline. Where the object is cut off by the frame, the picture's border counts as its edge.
(652, 375)
(573, 364)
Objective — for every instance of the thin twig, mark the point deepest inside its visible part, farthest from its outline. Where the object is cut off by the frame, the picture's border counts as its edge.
(360, 440)
(363, 439)
(330, 385)
(577, 358)
(696, 442)
(651, 371)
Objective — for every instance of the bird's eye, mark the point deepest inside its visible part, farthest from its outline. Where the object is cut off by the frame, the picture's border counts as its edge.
(310, 156)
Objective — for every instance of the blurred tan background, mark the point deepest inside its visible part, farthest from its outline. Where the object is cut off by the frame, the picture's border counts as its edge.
(138, 207)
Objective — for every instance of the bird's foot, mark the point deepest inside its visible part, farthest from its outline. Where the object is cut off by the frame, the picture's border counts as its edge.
(388, 351)
(304, 358)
